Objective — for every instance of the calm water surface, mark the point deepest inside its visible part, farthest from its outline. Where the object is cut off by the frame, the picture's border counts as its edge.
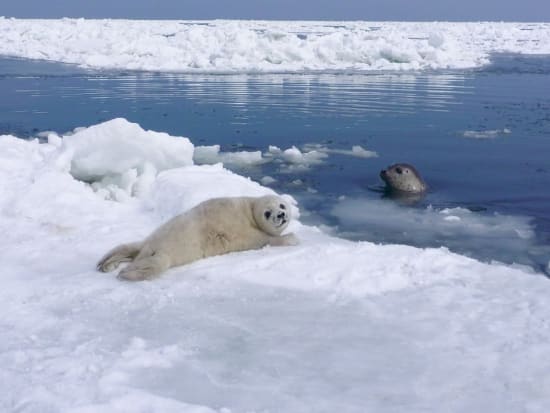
(420, 118)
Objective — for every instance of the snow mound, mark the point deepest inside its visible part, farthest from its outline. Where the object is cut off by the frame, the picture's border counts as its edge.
(261, 46)
(180, 189)
(121, 159)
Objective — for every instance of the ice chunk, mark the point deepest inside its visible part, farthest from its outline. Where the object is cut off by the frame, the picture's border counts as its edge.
(118, 155)
(212, 154)
(486, 134)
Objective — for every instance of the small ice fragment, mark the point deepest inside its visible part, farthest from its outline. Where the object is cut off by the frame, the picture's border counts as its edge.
(267, 180)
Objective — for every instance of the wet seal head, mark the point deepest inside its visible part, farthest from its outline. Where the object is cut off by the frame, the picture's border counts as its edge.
(272, 214)
(404, 178)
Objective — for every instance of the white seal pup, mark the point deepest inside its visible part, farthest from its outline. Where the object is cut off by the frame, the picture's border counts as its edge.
(404, 178)
(214, 227)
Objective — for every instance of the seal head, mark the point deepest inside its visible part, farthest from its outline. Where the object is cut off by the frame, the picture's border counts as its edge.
(272, 214)
(403, 177)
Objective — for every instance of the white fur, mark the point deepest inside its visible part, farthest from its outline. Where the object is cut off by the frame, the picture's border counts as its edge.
(214, 227)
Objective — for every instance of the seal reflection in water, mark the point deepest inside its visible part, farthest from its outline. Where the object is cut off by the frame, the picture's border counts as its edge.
(403, 178)
(214, 227)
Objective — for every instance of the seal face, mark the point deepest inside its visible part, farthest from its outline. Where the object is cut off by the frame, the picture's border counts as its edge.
(214, 227)
(272, 214)
(403, 177)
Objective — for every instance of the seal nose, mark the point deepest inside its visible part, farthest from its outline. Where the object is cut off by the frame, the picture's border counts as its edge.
(281, 215)
(383, 173)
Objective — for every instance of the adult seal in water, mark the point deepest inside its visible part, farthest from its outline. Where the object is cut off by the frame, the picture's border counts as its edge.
(214, 227)
(403, 178)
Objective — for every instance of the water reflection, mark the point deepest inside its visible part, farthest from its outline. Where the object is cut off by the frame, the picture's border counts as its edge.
(296, 94)
(178, 103)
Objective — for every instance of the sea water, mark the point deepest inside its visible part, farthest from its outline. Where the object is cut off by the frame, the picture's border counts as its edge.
(480, 138)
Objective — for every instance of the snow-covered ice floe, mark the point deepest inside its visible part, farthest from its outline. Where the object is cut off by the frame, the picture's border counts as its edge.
(262, 46)
(329, 325)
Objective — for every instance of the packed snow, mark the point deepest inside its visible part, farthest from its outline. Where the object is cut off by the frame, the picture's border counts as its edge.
(268, 46)
(328, 325)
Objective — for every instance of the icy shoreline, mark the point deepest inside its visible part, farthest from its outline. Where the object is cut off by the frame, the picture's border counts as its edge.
(225, 46)
(329, 325)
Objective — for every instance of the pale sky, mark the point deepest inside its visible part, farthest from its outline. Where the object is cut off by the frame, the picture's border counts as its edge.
(423, 10)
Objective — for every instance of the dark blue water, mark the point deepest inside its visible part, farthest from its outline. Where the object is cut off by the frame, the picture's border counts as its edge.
(419, 118)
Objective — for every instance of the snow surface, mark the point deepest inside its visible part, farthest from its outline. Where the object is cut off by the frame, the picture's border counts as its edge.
(262, 46)
(329, 325)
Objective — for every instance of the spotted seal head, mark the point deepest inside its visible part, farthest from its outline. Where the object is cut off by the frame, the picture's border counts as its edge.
(271, 213)
(404, 178)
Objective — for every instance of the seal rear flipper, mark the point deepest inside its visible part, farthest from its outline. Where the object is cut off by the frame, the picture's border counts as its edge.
(146, 267)
(118, 255)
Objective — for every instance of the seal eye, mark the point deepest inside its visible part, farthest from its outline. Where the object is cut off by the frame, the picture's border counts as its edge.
(282, 206)
(267, 214)
(399, 170)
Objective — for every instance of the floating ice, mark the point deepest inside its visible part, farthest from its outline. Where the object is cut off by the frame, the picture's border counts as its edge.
(489, 236)
(486, 134)
(212, 154)
(293, 159)
(288, 160)
(267, 180)
(293, 155)
(356, 150)
(261, 46)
